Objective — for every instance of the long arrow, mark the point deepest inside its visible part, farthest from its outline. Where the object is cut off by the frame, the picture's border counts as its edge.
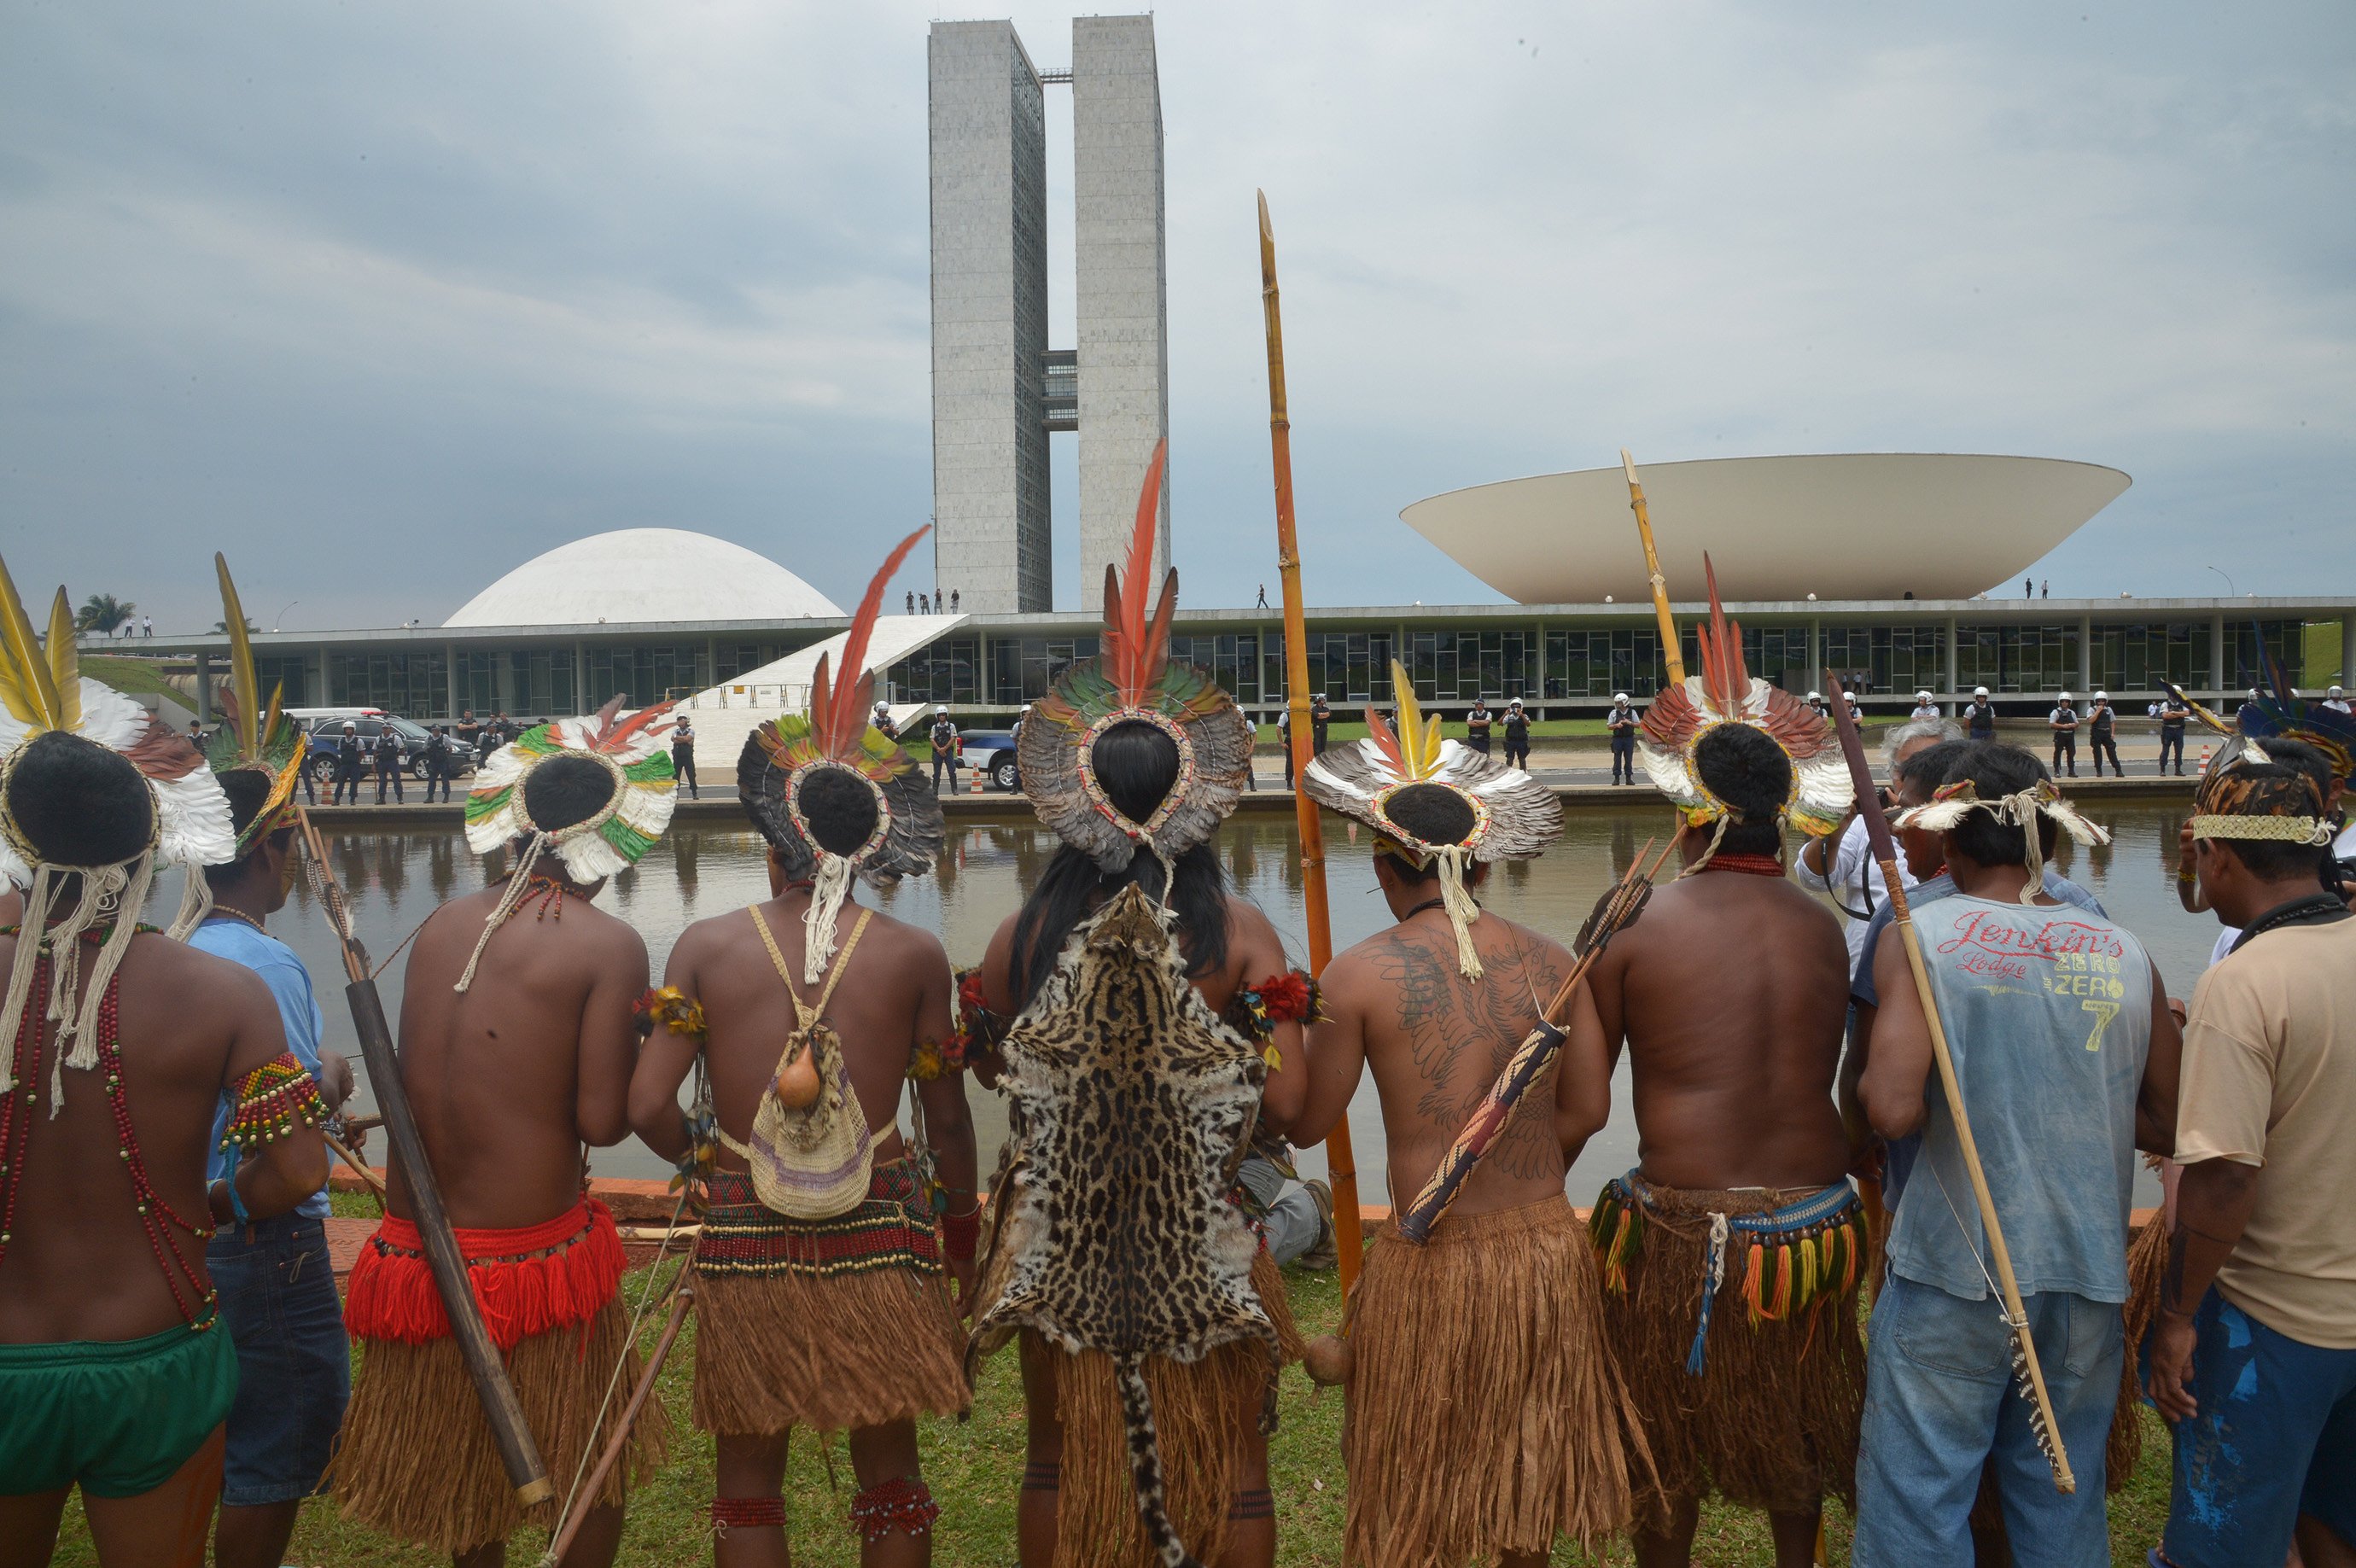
(2024, 1347)
(1340, 1165)
(1672, 655)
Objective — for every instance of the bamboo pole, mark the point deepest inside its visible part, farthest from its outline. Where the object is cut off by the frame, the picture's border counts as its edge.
(1340, 1165)
(1885, 851)
(1671, 654)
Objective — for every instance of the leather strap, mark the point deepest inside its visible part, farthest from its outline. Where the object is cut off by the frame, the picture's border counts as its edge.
(803, 1010)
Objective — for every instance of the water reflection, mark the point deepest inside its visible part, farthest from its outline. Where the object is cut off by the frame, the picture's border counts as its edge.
(395, 880)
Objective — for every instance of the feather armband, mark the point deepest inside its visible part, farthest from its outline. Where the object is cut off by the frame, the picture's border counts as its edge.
(671, 1009)
(271, 1101)
(1289, 998)
(978, 1029)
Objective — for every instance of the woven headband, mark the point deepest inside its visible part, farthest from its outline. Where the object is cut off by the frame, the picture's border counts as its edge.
(2313, 830)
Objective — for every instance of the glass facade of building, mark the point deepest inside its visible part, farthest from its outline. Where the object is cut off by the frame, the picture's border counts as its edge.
(1887, 659)
(948, 671)
(2245, 660)
(1234, 660)
(2017, 658)
(1349, 667)
(1022, 668)
(1600, 663)
(1457, 666)
(2139, 657)
(644, 675)
(287, 673)
(415, 685)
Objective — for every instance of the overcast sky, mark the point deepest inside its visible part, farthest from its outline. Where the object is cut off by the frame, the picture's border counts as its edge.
(383, 300)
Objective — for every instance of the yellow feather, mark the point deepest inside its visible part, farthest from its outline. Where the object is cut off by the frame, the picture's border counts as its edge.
(241, 662)
(65, 663)
(26, 683)
(1418, 742)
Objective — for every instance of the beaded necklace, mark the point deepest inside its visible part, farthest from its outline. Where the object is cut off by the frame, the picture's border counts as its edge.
(1749, 865)
(156, 1217)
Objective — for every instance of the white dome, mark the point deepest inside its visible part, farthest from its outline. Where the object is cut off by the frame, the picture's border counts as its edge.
(644, 575)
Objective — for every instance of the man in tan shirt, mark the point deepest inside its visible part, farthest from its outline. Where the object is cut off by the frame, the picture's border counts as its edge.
(2253, 1359)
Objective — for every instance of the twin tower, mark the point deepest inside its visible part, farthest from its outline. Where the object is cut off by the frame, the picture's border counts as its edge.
(997, 389)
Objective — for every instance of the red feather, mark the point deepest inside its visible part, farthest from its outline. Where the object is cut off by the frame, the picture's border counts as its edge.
(844, 724)
(1133, 649)
(821, 702)
(1722, 672)
(1388, 743)
(613, 737)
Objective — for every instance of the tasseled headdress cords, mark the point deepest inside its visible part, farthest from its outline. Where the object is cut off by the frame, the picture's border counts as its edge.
(43, 693)
(1952, 803)
(637, 760)
(1514, 818)
(781, 756)
(1725, 692)
(1133, 681)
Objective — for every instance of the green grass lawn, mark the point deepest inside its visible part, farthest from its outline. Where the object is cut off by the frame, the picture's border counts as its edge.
(975, 1467)
(134, 676)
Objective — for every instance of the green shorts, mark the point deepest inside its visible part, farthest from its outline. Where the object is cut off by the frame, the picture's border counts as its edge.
(119, 1416)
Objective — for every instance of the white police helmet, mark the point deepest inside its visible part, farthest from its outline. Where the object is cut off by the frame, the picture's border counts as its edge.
(1979, 691)
(2065, 697)
(1619, 697)
(2102, 697)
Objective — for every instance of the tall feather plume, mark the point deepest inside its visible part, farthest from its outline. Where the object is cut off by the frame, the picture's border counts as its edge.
(1387, 743)
(27, 684)
(840, 717)
(241, 678)
(1723, 675)
(65, 662)
(2214, 724)
(1134, 648)
(2328, 728)
(612, 737)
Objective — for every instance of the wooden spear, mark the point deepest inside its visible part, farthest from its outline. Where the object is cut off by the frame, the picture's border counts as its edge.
(1885, 851)
(1340, 1165)
(526, 1470)
(1671, 654)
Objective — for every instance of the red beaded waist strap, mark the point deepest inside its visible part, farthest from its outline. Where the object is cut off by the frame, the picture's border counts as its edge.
(527, 1281)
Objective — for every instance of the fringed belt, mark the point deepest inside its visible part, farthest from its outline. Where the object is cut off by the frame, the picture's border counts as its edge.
(528, 1282)
(1818, 1241)
(893, 1228)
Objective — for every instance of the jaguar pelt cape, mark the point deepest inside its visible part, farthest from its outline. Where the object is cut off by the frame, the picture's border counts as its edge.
(1133, 1105)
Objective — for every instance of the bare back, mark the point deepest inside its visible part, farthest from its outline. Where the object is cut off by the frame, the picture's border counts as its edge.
(1731, 993)
(80, 1265)
(893, 996)
(509, 1080)
(1435, 1042)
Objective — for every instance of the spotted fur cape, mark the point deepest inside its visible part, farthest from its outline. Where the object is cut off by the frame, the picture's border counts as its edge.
(1133, 1105)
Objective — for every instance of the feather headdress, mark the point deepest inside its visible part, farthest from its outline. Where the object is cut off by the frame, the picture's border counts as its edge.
(1949, 804)
(637, 762)
(2281, 711)
(1132, 680)
(44, 694)
(1514, 818)
(256, 736)
(781, 756)
(1725, 692)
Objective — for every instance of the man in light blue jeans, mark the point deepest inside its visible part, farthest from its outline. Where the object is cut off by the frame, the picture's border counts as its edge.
(2066, 1054)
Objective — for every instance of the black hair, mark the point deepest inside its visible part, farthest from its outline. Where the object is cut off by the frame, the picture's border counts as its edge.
(1135, 765)
(1435, 815)
(1930, 766)
(1747, 770)
(247, 789)
(79, 803)
(2295, 780)
(839, 809)
(1995, 770)
(564, 791)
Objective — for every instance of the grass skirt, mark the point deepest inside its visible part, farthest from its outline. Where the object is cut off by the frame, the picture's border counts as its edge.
(1772, 1421)
(1485, 1415)
(1207, 1412)
(416, 1459)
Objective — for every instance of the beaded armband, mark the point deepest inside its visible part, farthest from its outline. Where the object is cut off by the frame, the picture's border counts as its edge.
(273, 1100)
(1292, 998)
(961, 1233)
(673, 1009)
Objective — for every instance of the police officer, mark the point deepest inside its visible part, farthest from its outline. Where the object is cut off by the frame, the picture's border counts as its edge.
(1319, 718)
(349, 764)
(2249, 715)
(2100, 719)
(2172, 715)
(1923, 707)
(388, 761)
(682, 755)
(1979, 715)
(1621, 722)
(2064, 722)
(944, 738)
(881, 719)
(1518, 735)
(437, 762)
(1476, 726)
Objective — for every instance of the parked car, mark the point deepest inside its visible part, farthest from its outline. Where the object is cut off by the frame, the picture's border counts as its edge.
(326, 727)
(991, 751)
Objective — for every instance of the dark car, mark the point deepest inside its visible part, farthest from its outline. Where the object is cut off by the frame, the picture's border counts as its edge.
(327, 733)
(991, 751)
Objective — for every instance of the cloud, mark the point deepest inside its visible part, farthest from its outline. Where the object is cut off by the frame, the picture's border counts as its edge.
(385, 301)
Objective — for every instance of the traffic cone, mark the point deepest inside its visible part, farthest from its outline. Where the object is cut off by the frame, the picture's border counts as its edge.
(2203, 770)
(976, 786)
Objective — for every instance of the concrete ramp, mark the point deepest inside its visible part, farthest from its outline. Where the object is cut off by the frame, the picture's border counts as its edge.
(725, 714)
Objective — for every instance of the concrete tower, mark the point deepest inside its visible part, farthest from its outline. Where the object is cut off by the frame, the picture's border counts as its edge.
(1123, 295)
(997, 389)
(989, 126)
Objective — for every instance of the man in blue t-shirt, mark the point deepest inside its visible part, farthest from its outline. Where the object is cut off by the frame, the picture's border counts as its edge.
(277, 1286)
(2066, 1053)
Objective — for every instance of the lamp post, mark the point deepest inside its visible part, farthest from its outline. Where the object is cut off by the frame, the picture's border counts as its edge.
(275, 620)
(2230, 589)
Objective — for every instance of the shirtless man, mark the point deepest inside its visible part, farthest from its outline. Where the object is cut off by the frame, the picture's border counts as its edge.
(509, 1078)
(1483, 1417)
(1730, 995)
(114, 1374)
(841, 1323)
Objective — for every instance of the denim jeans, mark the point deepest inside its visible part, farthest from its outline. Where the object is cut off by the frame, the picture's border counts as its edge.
(2275, 1436)
(1292, 1223)
(1940, 1401)
(294, 1371)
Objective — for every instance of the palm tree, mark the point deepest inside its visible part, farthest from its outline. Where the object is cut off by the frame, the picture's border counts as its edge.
(104, 613)
(251, 629)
